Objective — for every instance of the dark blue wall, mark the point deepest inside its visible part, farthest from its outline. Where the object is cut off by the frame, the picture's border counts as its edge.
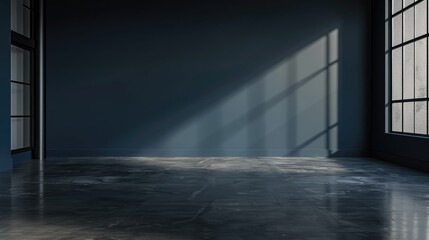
(5, 158)
(208, 78)
(401, 149)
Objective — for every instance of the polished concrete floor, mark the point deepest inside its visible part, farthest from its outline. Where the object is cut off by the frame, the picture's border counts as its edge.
(213, 198)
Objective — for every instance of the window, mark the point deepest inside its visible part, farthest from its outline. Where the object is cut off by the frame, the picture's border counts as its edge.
(407, 48)
(20, 98)
(21, 17)
(23, 80)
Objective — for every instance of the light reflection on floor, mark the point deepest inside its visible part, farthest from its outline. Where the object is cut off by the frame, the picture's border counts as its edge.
(213, 198)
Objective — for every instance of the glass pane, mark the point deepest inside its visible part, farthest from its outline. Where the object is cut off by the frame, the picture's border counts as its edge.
(409, 71)
(421, 118)
(408, 2)
(21, 17)
(20, 99)
(396, 5)
(397, 30)
(386, 36)
(397, 74)
(421, 70)
(387, 73)
(20, 64)
(386, 9)
(27, 3)
(421, 19)
(409, 117)
(20, 133)
(409, 24)
(397, 117)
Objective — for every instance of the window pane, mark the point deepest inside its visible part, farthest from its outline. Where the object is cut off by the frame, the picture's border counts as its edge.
(409, 24)
(409, 71)
(421, 71)
(387, 69)
(20, 133)
(20, 64)
(27, 3)
(421, 117)
(409, 117)
(21, 17)
(386, 36)
(397, 74)
(421, 19)
(397, 30)
(386, 9)
(396, 5)
(408, 2)
(20, 99)
(397, 117)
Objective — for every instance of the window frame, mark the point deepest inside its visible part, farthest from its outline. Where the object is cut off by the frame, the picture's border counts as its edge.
(389, 52)
(30, 44)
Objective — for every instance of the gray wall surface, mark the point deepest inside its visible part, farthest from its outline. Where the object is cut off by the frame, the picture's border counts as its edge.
(5, 157)
(208, 78)
(409, 151)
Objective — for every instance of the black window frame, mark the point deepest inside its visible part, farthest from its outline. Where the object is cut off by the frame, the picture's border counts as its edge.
(389, 50)
(30, 44)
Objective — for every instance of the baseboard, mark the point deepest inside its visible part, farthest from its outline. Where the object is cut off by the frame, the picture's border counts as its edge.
(402, 160)
(205, 153)
(21, 157)
(5, 164)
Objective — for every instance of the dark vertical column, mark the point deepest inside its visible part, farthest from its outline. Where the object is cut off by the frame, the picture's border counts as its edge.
(388, 78)
(41, 82)
(5, 157)
(414, 70)
(403, 65)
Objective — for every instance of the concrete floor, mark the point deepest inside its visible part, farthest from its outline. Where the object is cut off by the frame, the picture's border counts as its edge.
(213, 198)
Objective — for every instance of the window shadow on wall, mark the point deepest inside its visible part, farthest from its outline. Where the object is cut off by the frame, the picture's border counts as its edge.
(290, 110)
(223, 79)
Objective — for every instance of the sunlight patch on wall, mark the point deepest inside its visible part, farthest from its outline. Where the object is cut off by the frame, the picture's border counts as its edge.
(291, 109)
